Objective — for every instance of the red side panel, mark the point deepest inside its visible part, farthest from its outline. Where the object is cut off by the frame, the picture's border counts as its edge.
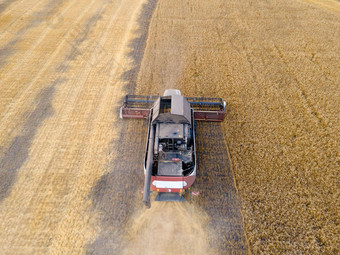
(209, 115)
(134, 113)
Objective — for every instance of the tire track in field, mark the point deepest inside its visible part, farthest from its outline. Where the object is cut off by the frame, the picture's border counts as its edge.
(299, 86)
(114, 194)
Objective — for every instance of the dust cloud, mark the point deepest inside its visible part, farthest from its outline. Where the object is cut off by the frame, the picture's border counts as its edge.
(168, 228)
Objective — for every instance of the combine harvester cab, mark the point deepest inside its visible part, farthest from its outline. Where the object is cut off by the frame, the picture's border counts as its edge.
(170, 156)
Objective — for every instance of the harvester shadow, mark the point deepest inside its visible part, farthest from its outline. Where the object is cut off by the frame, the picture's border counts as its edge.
(114, 195)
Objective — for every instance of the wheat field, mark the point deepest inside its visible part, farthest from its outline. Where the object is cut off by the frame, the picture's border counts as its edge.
(277, 66)
(71, 171)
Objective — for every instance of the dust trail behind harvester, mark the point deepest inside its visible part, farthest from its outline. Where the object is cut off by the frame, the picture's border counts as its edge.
(168, 228)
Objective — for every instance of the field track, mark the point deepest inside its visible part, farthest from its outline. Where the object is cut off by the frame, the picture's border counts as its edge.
(71, 170)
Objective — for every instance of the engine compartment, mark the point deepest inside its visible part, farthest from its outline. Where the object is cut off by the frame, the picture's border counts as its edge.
(173, 150)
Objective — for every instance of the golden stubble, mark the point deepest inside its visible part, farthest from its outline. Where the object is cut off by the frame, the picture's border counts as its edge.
(48, 209)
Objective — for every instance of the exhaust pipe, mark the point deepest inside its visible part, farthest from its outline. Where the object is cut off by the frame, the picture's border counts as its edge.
(147, 181)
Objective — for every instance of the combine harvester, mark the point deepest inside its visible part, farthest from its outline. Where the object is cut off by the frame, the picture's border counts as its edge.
(170, 155)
